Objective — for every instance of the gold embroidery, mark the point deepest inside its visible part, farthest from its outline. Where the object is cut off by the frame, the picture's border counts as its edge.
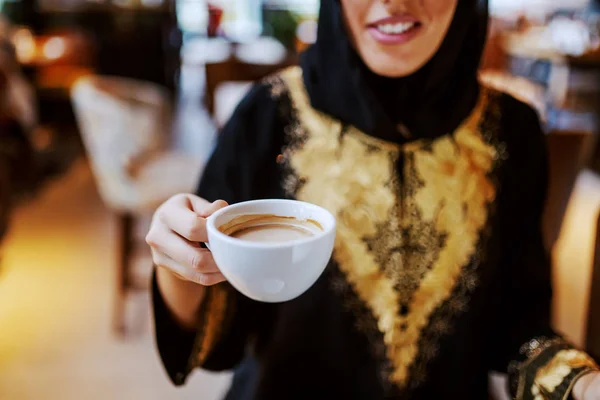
(536, 346)
(433, 227)
(551, 375)
(275, 84)
(213, 318)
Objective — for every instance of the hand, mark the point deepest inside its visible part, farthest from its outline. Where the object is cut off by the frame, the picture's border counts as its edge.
(587, 387)
(178, 227)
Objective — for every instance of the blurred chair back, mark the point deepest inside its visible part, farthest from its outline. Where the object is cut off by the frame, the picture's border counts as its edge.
(120, 120)
(125, 126)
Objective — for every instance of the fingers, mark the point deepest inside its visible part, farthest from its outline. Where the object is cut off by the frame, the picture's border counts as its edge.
(186, 215)
(178, 216)
(203, 207)
(211, 279)
(210, 209)
(188, 274)
(182, 251)
(177, 228)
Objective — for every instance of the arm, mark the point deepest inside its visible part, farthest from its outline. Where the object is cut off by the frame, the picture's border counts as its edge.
(181, 297)
(209, 326)
(541, 364)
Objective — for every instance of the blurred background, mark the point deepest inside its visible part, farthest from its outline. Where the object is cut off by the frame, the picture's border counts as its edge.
(109, 107)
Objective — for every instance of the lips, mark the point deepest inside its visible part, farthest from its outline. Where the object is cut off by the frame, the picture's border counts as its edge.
(395, 30)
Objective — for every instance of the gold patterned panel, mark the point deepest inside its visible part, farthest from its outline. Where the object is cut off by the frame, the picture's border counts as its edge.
(212, 317)
(440, 208)
(550, 376)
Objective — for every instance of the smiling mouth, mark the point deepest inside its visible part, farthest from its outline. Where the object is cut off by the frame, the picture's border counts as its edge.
(396, 28)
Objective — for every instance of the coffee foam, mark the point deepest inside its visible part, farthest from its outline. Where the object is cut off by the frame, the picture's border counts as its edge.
(270, 228)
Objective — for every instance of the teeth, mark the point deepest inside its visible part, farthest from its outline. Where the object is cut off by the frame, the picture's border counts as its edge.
(395, 29)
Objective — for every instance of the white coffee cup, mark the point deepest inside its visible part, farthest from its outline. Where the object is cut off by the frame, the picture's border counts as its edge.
(272, 271)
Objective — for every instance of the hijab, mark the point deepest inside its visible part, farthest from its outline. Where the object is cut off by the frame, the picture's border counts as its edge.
(429, 103)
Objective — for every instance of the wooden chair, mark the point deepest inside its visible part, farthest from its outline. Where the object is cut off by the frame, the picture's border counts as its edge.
(568, 153)
(236, 70)
(593, 330)
(125, 126)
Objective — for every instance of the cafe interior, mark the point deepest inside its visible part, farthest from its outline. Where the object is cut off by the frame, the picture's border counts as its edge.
(109, 107)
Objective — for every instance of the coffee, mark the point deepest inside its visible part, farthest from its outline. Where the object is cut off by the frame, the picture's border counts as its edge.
(270, 228)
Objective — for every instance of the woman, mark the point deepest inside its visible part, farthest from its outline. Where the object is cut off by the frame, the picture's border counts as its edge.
(439, 274)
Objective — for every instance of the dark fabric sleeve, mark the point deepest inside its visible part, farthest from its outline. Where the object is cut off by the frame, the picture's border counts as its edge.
(174, 343)
(244, 164)
(242, 167)
(539, 361)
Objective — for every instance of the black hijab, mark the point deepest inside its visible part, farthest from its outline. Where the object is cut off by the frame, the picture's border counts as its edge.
(429, 103)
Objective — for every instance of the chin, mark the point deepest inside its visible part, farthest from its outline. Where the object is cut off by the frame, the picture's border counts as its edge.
(390, 71)
(392, 66)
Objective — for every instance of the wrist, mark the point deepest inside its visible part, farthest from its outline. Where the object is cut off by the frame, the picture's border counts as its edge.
(181, 296)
